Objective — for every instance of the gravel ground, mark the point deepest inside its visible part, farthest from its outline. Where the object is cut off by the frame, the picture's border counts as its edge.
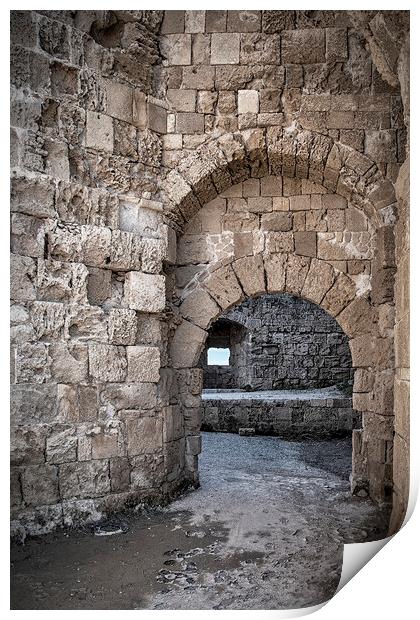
(265, 531)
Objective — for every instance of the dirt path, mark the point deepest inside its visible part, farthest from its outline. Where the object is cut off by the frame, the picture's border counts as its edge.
(264, 531)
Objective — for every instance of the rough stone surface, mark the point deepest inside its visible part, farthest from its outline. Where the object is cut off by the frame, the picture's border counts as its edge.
(165, 165)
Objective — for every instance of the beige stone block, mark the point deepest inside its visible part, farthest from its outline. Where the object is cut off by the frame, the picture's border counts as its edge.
(84, 479)
(336, 44)
(224, 49)
(358, 317)
(305, 243)
(279, 242)
(280, 204)
(216, 21)
(119, 101)
(250, 272)
(303, 46)
(355, 219)
(195, 21)
(275, 269)
(223, 286)
(243, 244)
(339, 296)
(271, 186)
(319, 280)
(69, 362)
(107, 362)
(199, 308)
(200, 78)
(260, 205)
(334, 201)
(243, 21)
(143, 364)
(340, 120)
(296, 270)
(144, 435)
(189, 123)
(248, 102)
(122, 326)
(27, 444)
(176, 48)
(279, 221)
(99, 132)
(145, 292)
(300, 203)
(186, 345)
(156, 118)
(182, 100)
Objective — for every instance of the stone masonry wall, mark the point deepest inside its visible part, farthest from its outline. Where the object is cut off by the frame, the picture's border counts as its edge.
(288, 343)
(157, 156)
(90, 418)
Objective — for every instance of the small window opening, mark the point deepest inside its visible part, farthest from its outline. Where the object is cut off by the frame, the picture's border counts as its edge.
(218, 356)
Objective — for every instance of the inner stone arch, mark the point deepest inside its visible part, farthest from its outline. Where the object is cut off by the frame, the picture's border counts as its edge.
(275, 235)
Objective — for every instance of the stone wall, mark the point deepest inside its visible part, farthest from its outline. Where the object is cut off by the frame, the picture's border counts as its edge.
(289, 416)
(281, 134)
(286, 343)
(89, 419)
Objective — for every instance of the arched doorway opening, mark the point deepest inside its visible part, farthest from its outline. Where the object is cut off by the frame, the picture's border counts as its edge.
(289, 372)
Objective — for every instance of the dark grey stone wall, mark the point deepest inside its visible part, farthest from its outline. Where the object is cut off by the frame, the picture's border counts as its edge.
(279, 342)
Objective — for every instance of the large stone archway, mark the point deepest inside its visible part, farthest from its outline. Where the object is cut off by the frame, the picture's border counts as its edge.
(363, 313)
(290, 152)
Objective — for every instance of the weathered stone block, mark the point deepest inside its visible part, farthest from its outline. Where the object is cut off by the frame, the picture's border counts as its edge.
(122, 326)
(33, 403)
(129, 396)
(177, 49)
(189, 123)
(58, 281)
(223, 286)
(275, 269)
(22, 278)
(98, 285)
(340, 295)
(224, 49)
(84, 479)
(32, 363)
(186, 345)
(173, 21)
(243, 21)
(216, 21)
(62, 446)
(144, 435)
(69, 362)
(250, 272)
(336, 44)
(27, 444)
(143, 364)
(195, 21)
(119, 101)
(296, 271)
(319, 280)
(27, 235)
(303, 46)
(40, 485)
(305, 243)
(107, 362)
(145, 292)
(99, 132)
(279, 242)
(199, 308)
